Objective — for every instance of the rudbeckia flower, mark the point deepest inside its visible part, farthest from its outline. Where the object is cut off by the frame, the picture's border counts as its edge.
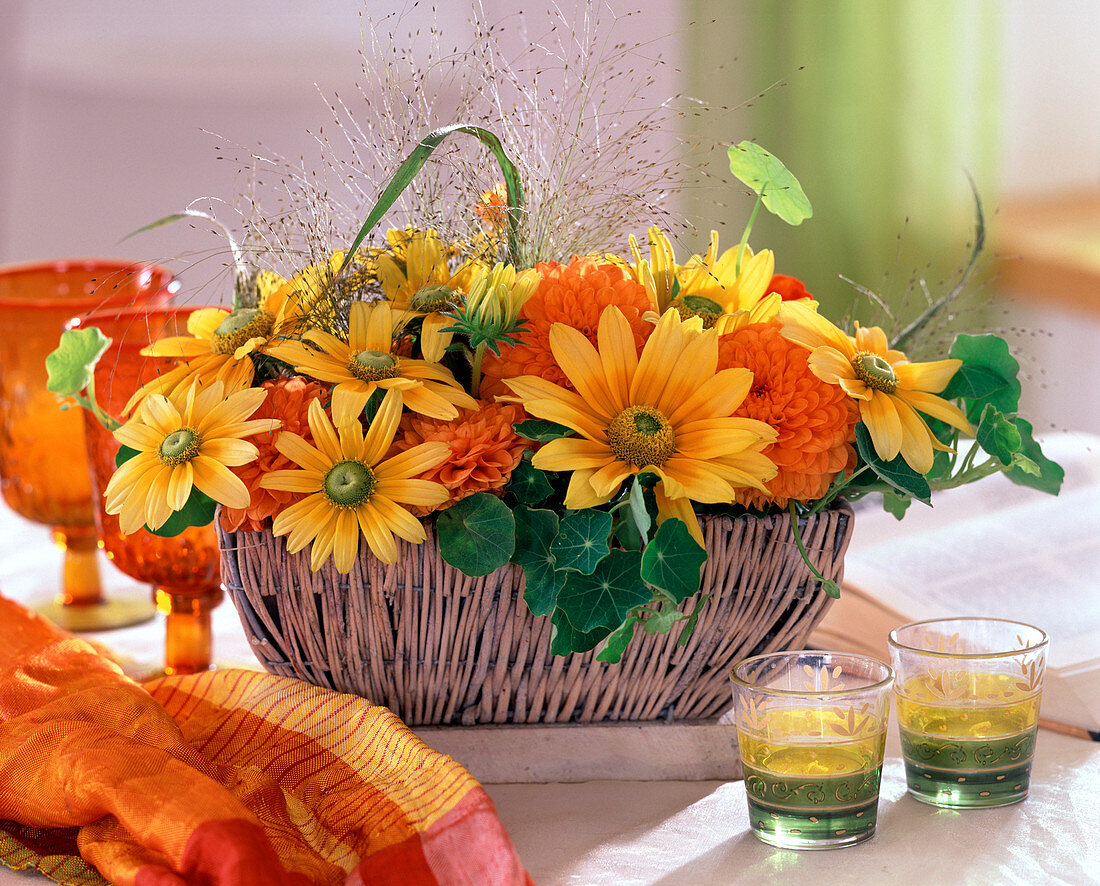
(668, 412)
(184, 440)
(367, 363)
(352, 489)
(417, 278)
(890, 391)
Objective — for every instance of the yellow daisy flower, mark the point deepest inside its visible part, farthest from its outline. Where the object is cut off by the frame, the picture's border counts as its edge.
(709, 285)
(889, 390)
(667, 411)
(367, 363)
(188, 438)
(352, 489)
(416, 277)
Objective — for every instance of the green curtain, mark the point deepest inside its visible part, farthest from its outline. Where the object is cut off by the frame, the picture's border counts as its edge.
(886, 106)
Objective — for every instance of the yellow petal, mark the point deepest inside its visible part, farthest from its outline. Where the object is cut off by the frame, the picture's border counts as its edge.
(203, 322)
(422, 493)
(177, 347)
(229, 451)
(221, 484)
(397, 519)
(346, 544)
(872, 339)
(581, 363)
(428, 401)
(376, 442)
(580, 493)
(139, 436)
(937, 407)
(916, 439)
(805, 326)
(180, 480)
(433, 340)
(828, 364)
(881, 418)
(661, 352)
(718, 396)
(931, 377)
(302, 453)
(413, 461)
(609, 479)
(160, 414)
(697, 363)
(378, 536)
(292, 481)
(348, 401)
(323, 543)
(679, 509)
(570, 453)
(619, 356)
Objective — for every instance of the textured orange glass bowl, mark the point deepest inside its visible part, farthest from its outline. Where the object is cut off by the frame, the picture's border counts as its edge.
(43, 469)
(184, 569)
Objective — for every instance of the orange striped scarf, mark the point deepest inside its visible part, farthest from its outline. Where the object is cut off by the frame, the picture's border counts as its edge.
(227, 778)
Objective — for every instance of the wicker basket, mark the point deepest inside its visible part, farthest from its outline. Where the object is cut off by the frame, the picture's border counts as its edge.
(439, 647)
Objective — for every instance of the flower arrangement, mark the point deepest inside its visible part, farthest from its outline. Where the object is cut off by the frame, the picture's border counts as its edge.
(574, 414)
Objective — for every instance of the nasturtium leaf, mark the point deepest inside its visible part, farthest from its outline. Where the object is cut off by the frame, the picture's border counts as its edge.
(673, 561)
(124, 454)
(895, 473)
(617, 641)
(997, 435)
(541, 430)
(1050, 474)
(661, 621)
(895, 504)
(604, 598)
(535, 529)
(1025, 464)
(565, 639)
(477, 535)
(70, 365)
(990, 353)
(581, 542)
(765, 173)
(528, 484)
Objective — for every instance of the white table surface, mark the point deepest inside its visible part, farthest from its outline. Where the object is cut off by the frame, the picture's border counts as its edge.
(672, 833)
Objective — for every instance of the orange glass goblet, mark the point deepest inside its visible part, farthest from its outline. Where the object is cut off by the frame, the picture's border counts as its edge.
(43, 468)
(184, 569)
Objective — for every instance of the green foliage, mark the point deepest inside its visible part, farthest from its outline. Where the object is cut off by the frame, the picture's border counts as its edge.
(528, 484)
(581, 542)
(566, 639)
(895, 473)
(673, 561)
(603, 599)
(988, 375)
(895, 504)
(767, 176)
(1050, 474)
(998, 435)
(69, 367)
(541, 431)
(618, 640)
(477, 535)
(535, 530)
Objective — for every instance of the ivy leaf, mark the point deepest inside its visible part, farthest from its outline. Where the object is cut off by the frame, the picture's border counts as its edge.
(673, 561)
(991, 373)
(604, 598)
(477, 535)
(617, 641)
(766, 175)
(528, 484)
(566, 639)
(581, 542)
(1050, 476)
(535, 529)
(895, 473)
(998, 436)
(70, 365)
(540, 430)
(831, 588)
(895, 504)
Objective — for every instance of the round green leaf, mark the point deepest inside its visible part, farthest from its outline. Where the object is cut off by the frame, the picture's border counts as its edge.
(766, 175)
(70, 365)
(895, 473)
(535, 529)
(673, 561)
(604, 598)
(477, 535)
(581, 542)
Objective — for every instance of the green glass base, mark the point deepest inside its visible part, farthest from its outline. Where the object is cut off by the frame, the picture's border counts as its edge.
(968, 773)
(812, 812)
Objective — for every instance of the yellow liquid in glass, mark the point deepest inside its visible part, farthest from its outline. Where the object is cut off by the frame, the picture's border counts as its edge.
(813, 741)
(983, 706)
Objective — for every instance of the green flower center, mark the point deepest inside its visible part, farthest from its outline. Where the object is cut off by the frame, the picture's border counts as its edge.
(370, 366)
(435, 298)
(641, 436)
(875, 372)
(348, 484)
(180, 446)
(688, 306)
(240, 326)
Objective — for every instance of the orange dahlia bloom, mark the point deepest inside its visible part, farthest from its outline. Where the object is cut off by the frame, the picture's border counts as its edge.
(789, 288)
(816, 427)
(484, 448)
(574, 294)
(288, 400)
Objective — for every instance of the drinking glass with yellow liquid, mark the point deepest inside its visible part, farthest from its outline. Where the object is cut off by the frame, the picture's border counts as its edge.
(967, 695)
(811, 728)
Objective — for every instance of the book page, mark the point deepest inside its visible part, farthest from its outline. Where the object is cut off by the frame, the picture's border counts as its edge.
(1005, 552)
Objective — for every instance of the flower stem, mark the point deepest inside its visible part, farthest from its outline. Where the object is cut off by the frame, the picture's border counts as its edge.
(475, 369)
(748, 230)
(831, 587)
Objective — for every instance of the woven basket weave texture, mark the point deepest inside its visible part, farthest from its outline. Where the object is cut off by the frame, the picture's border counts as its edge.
(439, 647)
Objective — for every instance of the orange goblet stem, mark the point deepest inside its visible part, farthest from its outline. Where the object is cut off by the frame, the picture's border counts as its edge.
(80, 584)
(189, 635)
